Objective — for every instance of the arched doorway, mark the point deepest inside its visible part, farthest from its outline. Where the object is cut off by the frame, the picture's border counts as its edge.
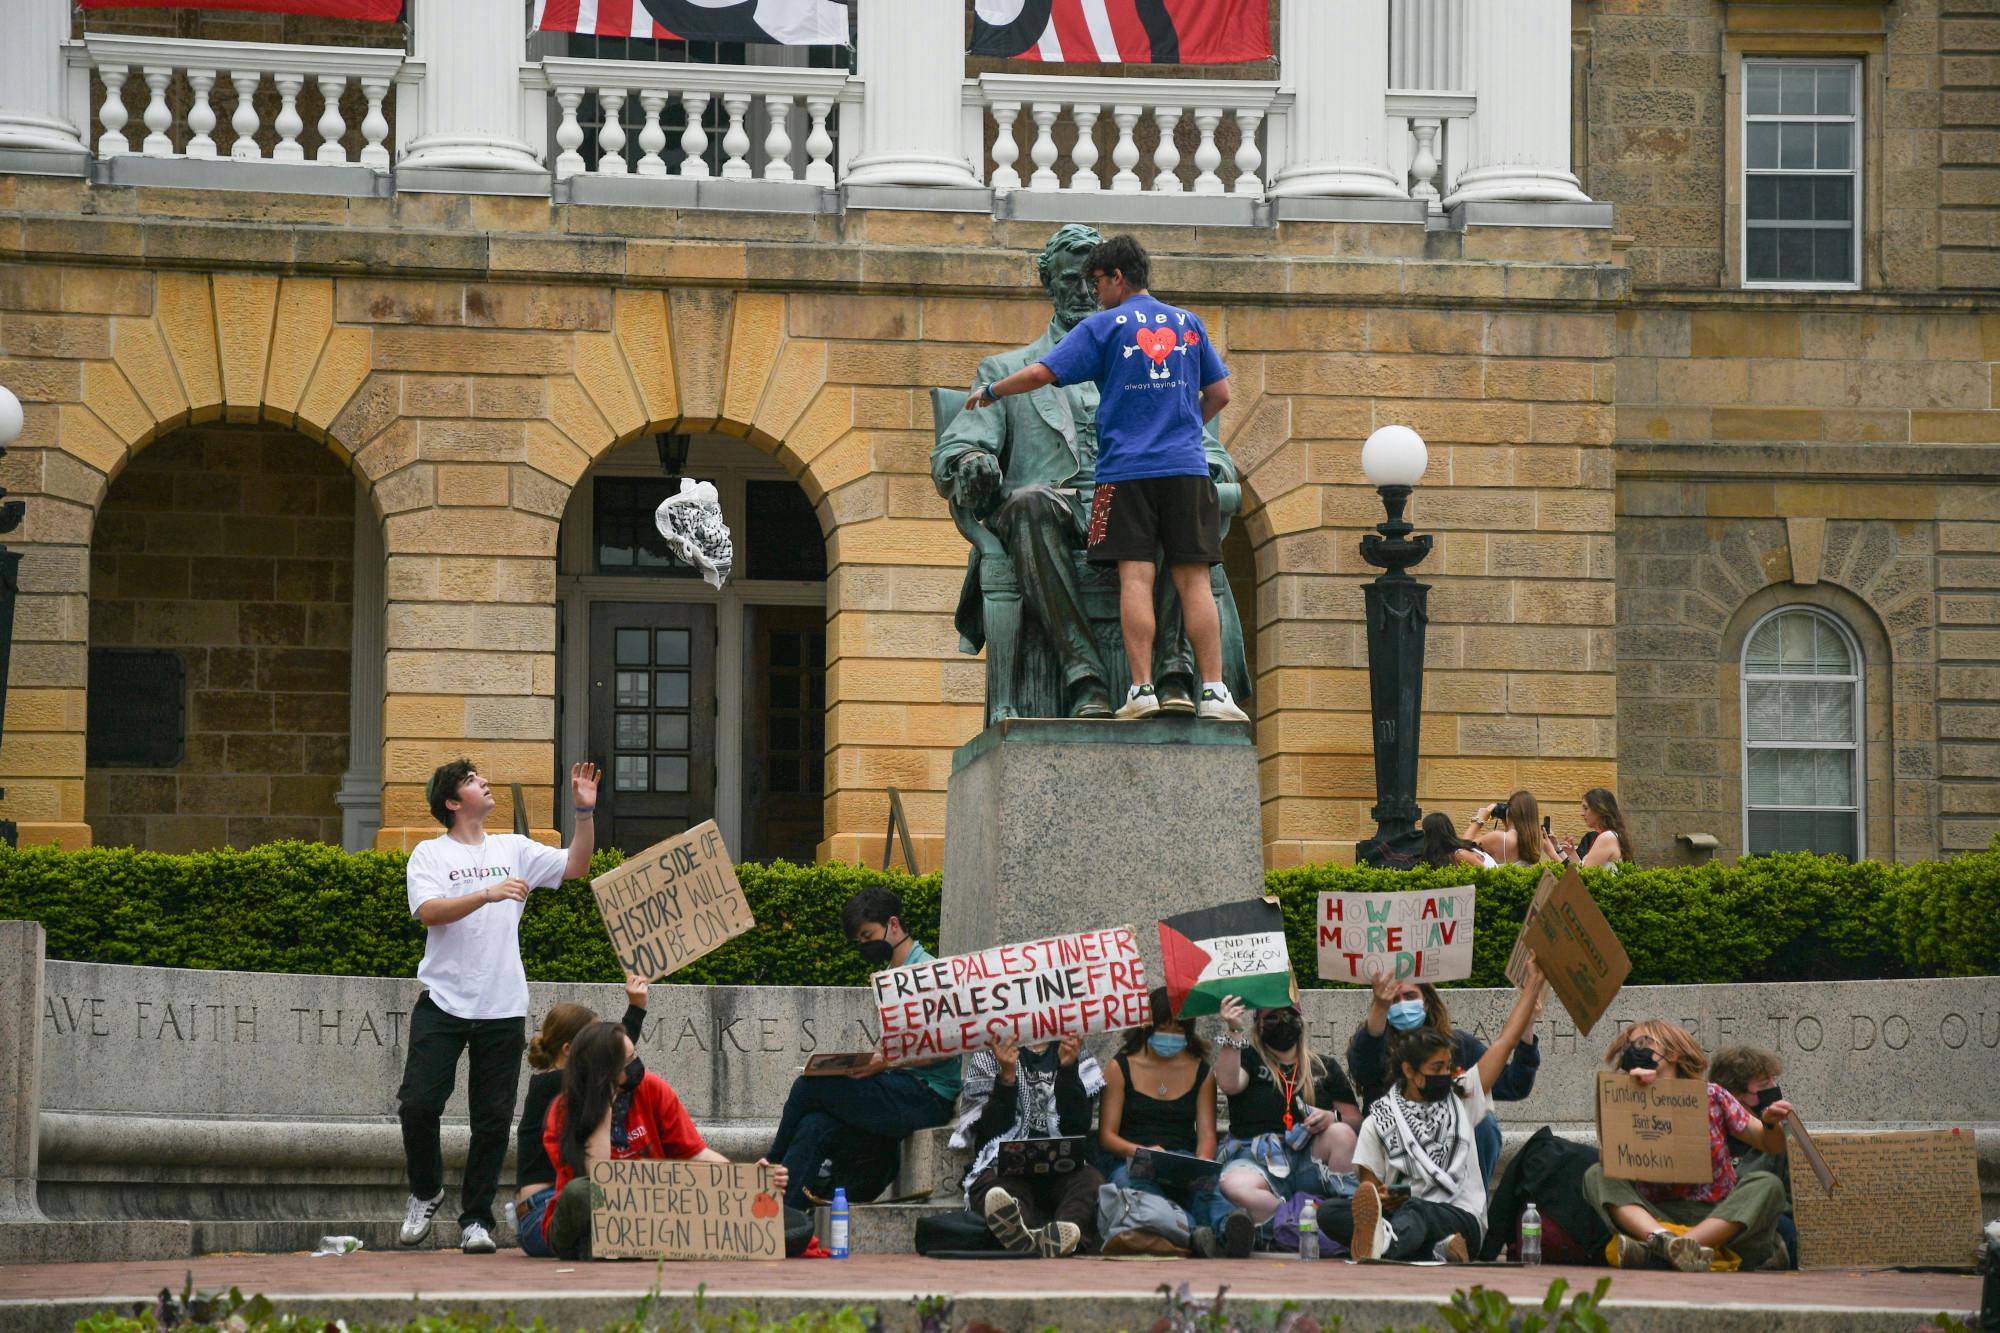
(698, 703)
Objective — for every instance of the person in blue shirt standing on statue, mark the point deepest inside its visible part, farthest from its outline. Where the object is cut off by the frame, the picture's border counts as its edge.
(1159, 381)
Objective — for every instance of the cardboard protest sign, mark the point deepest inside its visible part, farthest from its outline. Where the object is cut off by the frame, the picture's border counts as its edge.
(642, 1208)
(1795, 1129)
(825, 1064)
(1908, 1197)
(672, 903)
(1421, 935)
(1517, 962)
(1236, 949)
(1071, 985)
(1582, 959)
(1654, 1131)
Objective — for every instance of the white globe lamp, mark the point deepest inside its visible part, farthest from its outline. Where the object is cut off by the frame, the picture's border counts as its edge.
(1394, 456)
(10, 417)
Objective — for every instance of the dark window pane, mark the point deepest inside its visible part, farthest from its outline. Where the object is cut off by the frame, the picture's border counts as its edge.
(784, 691)
(1833, 255)
(1833, 198)
(818, 691)
(631, 689)
(1795, 198)
(671, 689)
(1761, 90)
(1795, 254)
(627, 539)
(670, 773)
(1763, 201)
(631, 731)
(631, 647)
(814, 773)
(1795, 83)
(670, 731)
(672, 647)
(1836, 90)
(784, 777)
(784, 538)
(784, 733)
(1795, 147)
(1760, 263)
(785, 650)
(630, 772)
(1763, 154)
(1835, 147)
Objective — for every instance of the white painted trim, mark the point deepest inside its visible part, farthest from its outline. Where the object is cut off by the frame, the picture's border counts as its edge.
(1859, 744)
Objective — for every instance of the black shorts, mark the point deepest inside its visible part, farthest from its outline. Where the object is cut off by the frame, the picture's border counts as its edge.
(1137, 520)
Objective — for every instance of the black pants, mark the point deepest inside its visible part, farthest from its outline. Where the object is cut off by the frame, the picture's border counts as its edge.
(1071, 1197)
(1416, 1227)
(437, 1039)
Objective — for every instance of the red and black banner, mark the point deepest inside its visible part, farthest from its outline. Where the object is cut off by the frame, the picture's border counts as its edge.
(1129, 32)
(779, 22)
(379, 11)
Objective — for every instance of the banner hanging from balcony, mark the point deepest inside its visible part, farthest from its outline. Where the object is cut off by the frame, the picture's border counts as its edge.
(379, 11)
(779, 22)
(1124, 32)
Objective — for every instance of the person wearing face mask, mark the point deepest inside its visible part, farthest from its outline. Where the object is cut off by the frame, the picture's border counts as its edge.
(1737, 1212)
(1160, 1093)
(1015, 1092)
(612, 1108)
(849, 1131)
(1403, 1006)
(1291, 1115)
(1750, 1075)
(1419, 1135)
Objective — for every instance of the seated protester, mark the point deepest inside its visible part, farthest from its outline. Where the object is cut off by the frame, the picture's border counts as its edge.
(1015, 1092)
(1404, 1006)
(1740, 1213)
(1443, 847)
(548, 1052)
(849, 1131)
(1420, 1135)
(1519, 838)
(1750, 1075)
(612, 1108)
(1160, 1093)
(1291, 1117)
(1605, 843)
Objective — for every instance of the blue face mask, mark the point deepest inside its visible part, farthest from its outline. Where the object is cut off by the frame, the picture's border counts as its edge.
(1167, 1045)
(1406, 1014)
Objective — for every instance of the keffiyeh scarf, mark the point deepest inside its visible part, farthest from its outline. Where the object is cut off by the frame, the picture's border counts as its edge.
(1035, 1115)
(692, 524)
(1435, 1125)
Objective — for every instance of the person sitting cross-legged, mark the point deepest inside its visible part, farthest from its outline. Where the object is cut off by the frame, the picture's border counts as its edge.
(1015, 1092)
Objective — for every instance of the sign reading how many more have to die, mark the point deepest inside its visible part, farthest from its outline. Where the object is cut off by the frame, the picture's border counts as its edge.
(1422, 935)
(1071, 985)
(643, 1208)
(672, 903)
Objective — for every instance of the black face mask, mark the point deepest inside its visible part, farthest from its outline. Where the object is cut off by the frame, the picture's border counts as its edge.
(1282, 1034)
(1638, 1057)
(1766, 1098)
(1436, 1087)
(875, 953)
(634, 1072)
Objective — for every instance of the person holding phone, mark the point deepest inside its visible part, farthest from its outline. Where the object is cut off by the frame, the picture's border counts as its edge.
(1605, 841)
(1518, 835)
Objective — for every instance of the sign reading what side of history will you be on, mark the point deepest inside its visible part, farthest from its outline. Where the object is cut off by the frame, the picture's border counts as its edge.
(672, 903)
(643, 1208)
(1576, 950)
(1654, 1131)
(1906, 1197)
(1420, 935)
(1071, 985)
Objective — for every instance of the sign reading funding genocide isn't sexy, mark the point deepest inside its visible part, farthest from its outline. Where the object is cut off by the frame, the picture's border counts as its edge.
(1422, 935)
(1654, 1131)
(672, 903)
(642, 1208)
(1071, 985)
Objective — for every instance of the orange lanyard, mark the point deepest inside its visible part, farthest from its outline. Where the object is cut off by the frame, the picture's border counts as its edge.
(1291, 1090)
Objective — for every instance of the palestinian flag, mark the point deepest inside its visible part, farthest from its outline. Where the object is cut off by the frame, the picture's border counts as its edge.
(1127, 32)
(1235, 950)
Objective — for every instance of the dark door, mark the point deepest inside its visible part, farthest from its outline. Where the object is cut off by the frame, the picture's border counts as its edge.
(784, 741)
(652, 713)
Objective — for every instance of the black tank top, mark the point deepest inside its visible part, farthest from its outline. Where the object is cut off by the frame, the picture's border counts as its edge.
(1149, 1120)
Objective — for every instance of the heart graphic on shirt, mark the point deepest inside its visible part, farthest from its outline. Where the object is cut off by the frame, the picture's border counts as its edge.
(1156, 343)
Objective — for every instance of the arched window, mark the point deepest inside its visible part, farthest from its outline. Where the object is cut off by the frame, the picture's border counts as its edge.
(1802, 713)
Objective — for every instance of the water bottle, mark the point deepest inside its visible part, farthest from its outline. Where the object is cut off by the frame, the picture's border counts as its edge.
(1309, 1231)
(839, 1227)
(1531, 1237)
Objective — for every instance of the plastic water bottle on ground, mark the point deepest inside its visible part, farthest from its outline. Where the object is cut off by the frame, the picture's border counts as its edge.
(1531, 1237)
(839, 1225)
(1309, 1231)
(336, 1245)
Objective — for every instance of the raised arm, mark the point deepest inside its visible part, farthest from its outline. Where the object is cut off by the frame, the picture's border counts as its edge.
(583, 786)
(1229, 1075)
(1519, 1021)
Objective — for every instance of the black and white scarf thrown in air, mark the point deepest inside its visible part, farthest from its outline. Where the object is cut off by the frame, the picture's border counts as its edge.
(1433, 1126)
(691, 521)
(1035, 1114)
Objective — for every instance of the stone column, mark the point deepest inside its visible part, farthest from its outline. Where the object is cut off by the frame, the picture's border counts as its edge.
(913, 64)
(1517, 142)
(21, 948)
(472, 55)
(360, 794)
(31, 79)
(1335, 59)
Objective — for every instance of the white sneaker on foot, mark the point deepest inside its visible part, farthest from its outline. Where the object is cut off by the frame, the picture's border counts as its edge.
(1217, 706)
(1060, 1239)
(1140, 701)
(1003, 1220)
(476, 1239)
(417, 1219)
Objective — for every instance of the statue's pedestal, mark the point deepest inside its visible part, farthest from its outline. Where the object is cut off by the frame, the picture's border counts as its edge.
(1056, 826)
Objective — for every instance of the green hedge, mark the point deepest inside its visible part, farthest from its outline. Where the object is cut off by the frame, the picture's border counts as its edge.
(304, 907)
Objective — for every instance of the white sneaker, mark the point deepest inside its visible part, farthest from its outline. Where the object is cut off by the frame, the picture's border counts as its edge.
(476, 1239)
(417, 1219)
(1140, 701)
(1060, 1239)
(1217, 706)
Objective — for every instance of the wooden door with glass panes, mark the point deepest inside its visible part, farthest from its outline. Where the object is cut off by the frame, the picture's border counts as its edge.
(652, 719)
(784, 723)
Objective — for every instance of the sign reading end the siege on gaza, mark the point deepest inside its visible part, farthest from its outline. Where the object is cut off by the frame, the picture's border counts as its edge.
(1071, 985)
(672, 903)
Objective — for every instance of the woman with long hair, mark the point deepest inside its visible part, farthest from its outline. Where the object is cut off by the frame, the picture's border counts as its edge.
(1159, 1093)
(548, 1053)
(611, 1107)
(1605, 843)
(1520, 838)
(1444, 848)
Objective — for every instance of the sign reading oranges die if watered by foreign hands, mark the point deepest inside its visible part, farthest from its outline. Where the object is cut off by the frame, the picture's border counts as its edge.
(1421, 935)
(1071, 985)
(643, 1208)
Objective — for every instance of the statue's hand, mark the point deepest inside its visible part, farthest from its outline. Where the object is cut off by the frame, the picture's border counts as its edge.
(978, 481)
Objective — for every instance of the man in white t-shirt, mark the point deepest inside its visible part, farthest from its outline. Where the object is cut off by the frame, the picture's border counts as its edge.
(468, 889)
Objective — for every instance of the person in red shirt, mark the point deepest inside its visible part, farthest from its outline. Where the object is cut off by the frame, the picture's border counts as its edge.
(611, 1107)
(1741, 1213)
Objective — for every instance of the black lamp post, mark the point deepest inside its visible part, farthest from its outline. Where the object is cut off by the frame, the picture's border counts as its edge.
(10, 575)
(1394, 459)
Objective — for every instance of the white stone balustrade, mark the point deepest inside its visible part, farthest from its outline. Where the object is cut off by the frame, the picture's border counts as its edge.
(242, 68)
(1430, 99)
(792, 107)
(1069, 111)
